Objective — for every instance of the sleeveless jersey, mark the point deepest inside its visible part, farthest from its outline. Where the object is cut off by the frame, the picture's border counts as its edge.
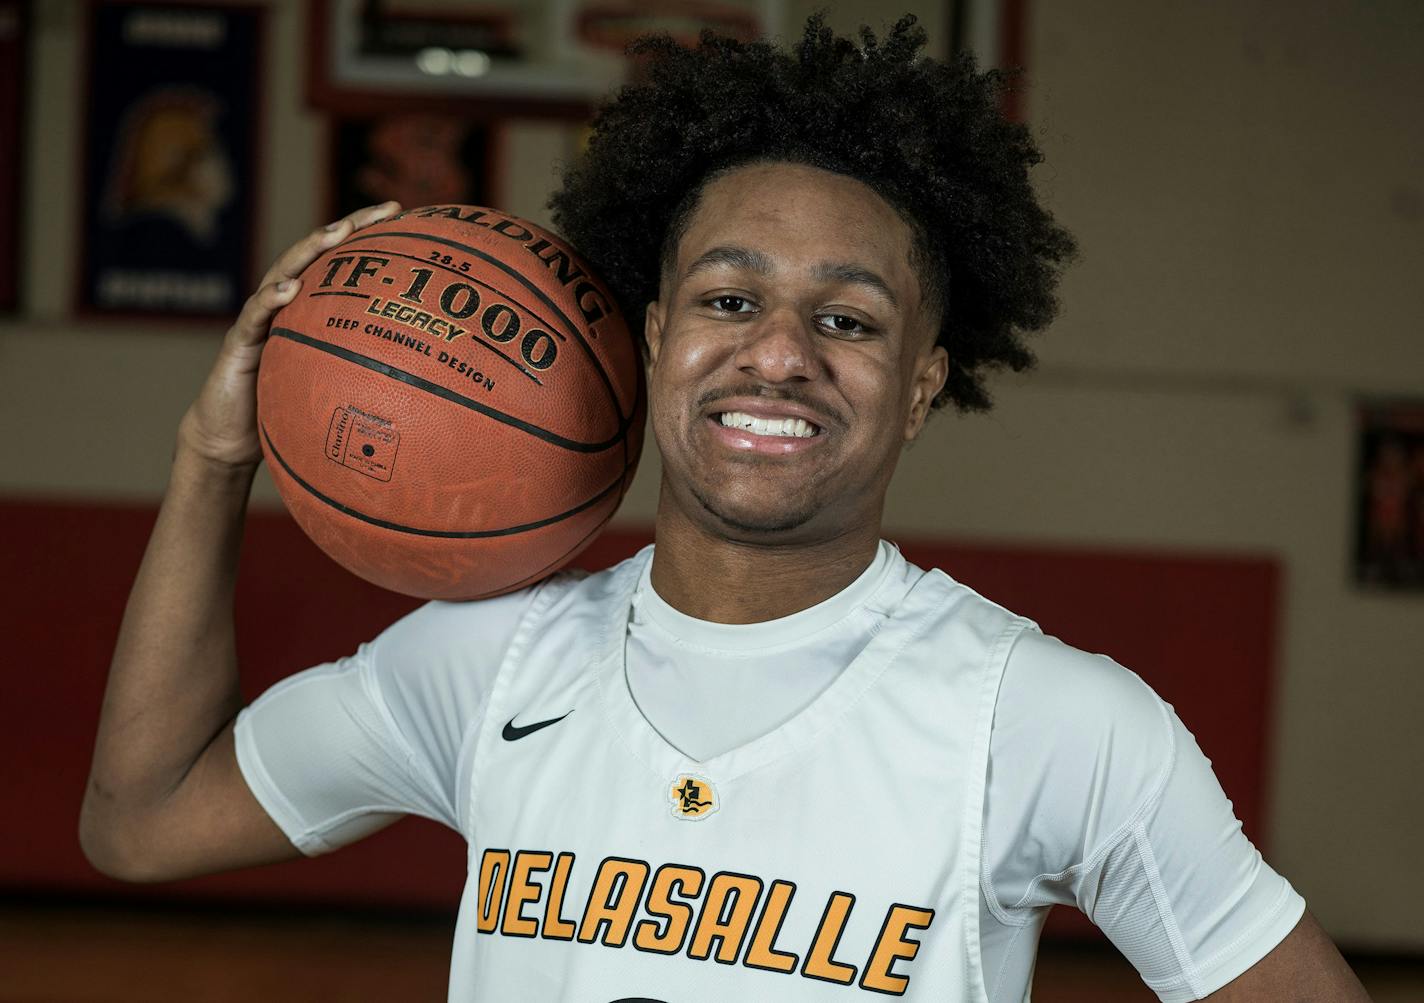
(835, 858)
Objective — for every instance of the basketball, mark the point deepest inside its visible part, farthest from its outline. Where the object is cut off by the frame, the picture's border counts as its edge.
(452, 406)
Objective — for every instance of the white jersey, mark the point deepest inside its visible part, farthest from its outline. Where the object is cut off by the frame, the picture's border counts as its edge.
(841, 852)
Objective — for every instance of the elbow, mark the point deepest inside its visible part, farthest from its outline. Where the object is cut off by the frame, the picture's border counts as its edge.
(101, 849)
(112, 846)
(114, 859)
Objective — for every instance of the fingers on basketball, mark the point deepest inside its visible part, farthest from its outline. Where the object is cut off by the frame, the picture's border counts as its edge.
(283, 280)
(296, 258)
(252, 322)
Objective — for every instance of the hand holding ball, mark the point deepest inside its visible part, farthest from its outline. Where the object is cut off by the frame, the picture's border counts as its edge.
(452, 405)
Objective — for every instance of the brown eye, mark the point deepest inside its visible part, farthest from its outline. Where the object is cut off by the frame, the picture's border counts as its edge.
(729, 304)
(840, 323)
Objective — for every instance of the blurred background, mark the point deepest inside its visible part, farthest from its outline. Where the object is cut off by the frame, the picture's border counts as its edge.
(1215, 475)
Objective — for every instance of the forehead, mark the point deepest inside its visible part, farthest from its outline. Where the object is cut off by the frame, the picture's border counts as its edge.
(798, 214)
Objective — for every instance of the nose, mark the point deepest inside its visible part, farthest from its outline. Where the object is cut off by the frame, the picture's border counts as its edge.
(778, 347)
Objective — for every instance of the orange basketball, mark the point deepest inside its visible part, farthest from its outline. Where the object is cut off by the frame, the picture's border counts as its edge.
(452, 406)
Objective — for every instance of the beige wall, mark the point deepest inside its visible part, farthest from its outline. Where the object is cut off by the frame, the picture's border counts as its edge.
(1245, 181)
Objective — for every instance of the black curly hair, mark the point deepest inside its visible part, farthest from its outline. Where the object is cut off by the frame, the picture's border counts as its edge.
(927, 136)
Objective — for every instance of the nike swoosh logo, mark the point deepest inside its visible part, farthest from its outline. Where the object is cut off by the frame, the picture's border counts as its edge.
(513, 734)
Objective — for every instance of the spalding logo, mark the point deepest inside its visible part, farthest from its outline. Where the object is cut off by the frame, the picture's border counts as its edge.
(693, 797)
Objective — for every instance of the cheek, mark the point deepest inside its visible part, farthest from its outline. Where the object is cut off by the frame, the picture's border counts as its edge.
(670, 384)
(692, 350)
(876, 390)
(682, 363)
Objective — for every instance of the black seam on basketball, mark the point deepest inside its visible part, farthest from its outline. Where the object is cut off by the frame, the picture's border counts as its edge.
(444, 534)
(567, 555)
(464, 275)
(518, 277)
(420, 383)
(473, 338)
(512, 362)
(484, 256)
(624, 481)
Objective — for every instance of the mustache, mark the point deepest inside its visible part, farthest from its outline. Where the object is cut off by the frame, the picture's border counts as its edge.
(790, 395)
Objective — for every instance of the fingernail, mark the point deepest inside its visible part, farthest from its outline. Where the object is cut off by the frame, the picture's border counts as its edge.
(334, 226)
(286, 285)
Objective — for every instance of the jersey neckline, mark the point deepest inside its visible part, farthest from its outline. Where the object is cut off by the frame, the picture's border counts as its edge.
(689, 631)
(907, 615)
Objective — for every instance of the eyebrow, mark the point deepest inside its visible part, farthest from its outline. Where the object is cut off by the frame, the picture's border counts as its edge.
(749, 260)
(844, 272)
(742, 258)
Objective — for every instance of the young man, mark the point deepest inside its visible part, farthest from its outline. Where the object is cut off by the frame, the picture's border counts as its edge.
(767, 759)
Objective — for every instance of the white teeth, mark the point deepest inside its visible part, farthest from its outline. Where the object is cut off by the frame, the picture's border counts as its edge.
(796, 427)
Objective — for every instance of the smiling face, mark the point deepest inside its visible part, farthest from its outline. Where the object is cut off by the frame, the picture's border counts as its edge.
(790, 357)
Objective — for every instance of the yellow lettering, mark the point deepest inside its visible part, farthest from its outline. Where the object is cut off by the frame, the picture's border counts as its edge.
(494, 867)
(555, 926)
(763, 953)
(617, 888)
(743, 890)
(688, 882)
(819, 961)
(892, 945)
(522, 891)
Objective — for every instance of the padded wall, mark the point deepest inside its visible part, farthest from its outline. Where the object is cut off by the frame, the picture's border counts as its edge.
(1199, 628)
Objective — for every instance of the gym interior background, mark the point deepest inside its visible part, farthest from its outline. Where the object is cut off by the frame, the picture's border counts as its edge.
(1246, 181)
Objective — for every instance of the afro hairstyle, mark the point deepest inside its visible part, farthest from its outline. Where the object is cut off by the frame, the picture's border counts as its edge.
(926, 136)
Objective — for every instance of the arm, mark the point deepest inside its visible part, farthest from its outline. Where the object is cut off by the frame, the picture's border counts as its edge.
(1133, 828)
(1303, 968)
(165, 797)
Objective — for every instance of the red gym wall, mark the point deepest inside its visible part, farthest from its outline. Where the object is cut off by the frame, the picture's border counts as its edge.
(1200, 629)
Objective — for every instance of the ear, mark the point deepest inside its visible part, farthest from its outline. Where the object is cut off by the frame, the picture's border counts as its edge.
(653, 330)
(932, 371)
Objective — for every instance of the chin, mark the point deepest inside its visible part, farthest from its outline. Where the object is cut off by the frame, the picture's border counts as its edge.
(755, 520)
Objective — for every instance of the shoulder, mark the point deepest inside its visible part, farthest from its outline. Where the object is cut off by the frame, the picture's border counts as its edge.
(443, 657)
(1052, 690)
(952, 611)
(1081, 747)
(579, 607)
(465, 629)
(438, 628)
(1078, 697)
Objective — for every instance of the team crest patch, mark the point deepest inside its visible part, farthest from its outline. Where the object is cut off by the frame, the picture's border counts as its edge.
(693, 797)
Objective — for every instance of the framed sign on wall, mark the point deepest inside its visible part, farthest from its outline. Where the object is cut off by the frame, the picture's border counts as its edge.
(170, 159)
(419, 158)
(420, 94)
(1389, 495)
(498, 58)
(13, 24)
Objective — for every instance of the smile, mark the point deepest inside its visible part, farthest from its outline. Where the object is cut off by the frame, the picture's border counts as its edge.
(798, 428)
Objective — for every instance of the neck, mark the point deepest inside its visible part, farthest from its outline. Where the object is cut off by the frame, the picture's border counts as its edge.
(732, 581)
